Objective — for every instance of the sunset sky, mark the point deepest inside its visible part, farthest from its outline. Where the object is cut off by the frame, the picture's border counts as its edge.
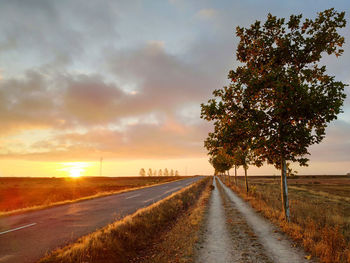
(124, 80)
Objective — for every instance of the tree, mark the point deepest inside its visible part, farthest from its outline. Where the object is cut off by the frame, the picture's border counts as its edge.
(221, 161)
(235, 127)
(176, 173)
(291, 96)
(149, 173)
(154, 172)
(142, 172)
(172, 172)
(166, 172)
(290, 171)
(160, 173)
(243, 158)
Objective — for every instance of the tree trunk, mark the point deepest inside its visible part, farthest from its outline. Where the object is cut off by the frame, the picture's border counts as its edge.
(246, 178)
(228, 174)
(236, 174)
(284, 190)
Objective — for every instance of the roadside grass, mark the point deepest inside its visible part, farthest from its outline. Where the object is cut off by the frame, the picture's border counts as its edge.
(18, 195)
(177, 243)
(320, 213)
(123, 240)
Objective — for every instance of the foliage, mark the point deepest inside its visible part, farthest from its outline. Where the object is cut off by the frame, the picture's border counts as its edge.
(222, 161)
(292, 97)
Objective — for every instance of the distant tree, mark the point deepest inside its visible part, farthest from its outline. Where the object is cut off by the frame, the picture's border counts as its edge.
(149, 173)
(235, 130)
(166, 172)
(142, 172)
(221, 161)
(172, 172)
(160, 172)
(176, 173)
(244, 157)
(290, 171)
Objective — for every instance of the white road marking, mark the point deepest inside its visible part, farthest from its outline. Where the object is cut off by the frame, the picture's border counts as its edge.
(172, 189)
(18, 228)
(133, 196)
(161, 195)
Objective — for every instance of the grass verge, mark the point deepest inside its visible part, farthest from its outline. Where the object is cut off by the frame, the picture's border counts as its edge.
(319, 223)
(123, 240)
(173, 245)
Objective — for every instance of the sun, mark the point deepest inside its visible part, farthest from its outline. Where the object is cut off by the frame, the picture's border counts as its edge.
(75, 169)
(76, 172)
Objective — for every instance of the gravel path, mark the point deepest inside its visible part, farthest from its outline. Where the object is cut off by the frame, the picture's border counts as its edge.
(277, 245)
(234, 232)
(217, 244)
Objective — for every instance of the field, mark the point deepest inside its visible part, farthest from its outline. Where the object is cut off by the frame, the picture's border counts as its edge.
(23, 193)
(320, 211)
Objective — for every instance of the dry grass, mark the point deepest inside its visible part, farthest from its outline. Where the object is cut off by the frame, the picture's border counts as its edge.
(123, 240)
(25, 194)
(320, 213)
(174, 246)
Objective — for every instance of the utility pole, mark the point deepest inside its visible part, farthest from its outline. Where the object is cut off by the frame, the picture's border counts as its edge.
(101, 159)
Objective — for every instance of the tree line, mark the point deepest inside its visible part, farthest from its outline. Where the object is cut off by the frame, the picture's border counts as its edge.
(160, 172)
(280, 99)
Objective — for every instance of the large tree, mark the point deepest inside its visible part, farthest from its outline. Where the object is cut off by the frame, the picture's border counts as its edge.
(291, 99)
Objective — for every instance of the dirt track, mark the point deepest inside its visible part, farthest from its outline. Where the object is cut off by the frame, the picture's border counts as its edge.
(233, 232)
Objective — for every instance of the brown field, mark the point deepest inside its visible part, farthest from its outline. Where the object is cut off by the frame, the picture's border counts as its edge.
(144, 236)
(23, 193)
(320, 211)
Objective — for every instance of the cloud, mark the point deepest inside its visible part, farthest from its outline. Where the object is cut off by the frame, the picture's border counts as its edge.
(26, 103)
(100, 81)
(89, 99)
(206, 14)
(163, 81)
(336, 145)
(166, 140)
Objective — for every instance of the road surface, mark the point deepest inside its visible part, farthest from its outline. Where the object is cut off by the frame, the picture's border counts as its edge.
(28, 237)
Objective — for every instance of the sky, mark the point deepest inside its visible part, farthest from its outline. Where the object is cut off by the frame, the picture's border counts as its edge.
(124, 80)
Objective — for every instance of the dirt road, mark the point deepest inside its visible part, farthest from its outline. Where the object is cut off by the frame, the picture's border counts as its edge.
(234, 232)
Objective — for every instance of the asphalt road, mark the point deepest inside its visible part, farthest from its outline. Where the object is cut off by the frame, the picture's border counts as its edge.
(28, 237)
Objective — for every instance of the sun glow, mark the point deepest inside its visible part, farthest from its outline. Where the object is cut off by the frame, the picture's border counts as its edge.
(75, 169)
